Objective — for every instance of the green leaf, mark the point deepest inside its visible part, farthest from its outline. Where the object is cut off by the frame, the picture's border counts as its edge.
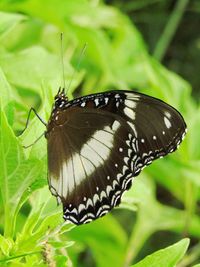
(107, 243)
(62, 261)
(17, 173)
(9, 21)
(35, 66)
(167, 257)
(153, 216)
(5, 245)
(6, 91)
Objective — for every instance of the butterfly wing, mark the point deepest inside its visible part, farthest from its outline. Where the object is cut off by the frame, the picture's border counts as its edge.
(100, 142)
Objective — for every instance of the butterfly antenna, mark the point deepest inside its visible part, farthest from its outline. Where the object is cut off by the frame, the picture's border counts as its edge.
(77, 65)
(62, 61)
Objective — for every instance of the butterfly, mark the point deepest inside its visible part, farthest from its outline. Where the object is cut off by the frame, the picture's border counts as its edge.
(98, 143)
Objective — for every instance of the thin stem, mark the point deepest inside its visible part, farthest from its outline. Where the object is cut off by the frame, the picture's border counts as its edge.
(190, 205)
(19, 256)
(170, 29)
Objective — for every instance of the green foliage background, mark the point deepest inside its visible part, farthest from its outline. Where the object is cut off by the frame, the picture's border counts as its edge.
(161, 207)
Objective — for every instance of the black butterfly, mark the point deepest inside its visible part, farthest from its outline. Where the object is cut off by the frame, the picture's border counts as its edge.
(98, 143)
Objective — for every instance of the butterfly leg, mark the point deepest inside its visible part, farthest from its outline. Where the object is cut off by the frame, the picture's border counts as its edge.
(35, 141)
(28, 118)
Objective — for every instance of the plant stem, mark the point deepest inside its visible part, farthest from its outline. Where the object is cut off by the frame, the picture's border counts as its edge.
(190, 204)
(19, 256)
(170, 29)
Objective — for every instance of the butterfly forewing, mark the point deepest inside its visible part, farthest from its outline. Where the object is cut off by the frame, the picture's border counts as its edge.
(98, 143)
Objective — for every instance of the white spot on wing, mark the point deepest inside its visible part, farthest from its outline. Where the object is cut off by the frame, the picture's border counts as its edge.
(83, 104)
(106, 100)
(95, 198)
(126, 159)
(103, 195)
(132, 96)
(81, 207)
(132, 127)
(115, 125)
(96, 101)
(117, 104)
(129, 113)
(89, 203)
(130, 103)
(167, 114)
(108, 189)
(125, 168)
(119, 175)
(167, 122)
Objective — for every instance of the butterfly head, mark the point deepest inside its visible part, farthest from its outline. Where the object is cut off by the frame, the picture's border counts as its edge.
(61, 98)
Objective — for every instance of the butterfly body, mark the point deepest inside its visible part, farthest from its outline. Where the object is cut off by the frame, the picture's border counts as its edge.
(98, 143)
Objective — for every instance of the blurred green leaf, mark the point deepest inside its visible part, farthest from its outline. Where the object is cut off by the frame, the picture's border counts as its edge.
(167, 257)
(17, 173)
(9, 21)
(107, 243)
(5, 245)
(153, 216)
(34, 66)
